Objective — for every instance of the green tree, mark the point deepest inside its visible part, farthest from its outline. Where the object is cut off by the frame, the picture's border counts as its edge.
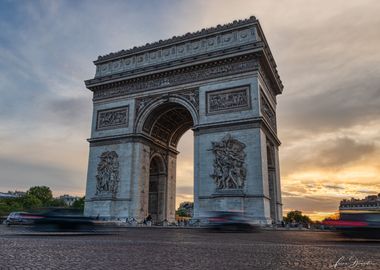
(8, 205)
(4, 209)
(30, 201)
(43, 193)
(56, 203)
(296, 216)
(79, 203)
(181, 213)
(185, 209)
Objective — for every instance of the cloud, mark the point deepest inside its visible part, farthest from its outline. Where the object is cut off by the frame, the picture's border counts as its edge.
(60, 179)
(327, 116)
(72, 112)
(334, 187)
(185, 190)
(315, 203)
(353, 102)
(326, 153)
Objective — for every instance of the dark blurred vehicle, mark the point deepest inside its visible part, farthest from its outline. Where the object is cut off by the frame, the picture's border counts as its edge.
(355, 223)
(19, 218)
(63, 219)
(230, 221)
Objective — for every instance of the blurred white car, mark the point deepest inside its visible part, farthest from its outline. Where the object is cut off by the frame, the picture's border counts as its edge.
(18, 218)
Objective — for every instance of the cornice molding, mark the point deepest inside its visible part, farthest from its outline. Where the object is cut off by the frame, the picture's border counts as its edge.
(176, 39)
(211, 70)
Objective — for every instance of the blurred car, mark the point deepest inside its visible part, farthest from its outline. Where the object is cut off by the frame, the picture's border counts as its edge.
(356, 223)
(63, 219)
(19, 218)
(230, 221)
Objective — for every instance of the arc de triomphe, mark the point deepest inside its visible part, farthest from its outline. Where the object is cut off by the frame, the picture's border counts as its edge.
(220, 82)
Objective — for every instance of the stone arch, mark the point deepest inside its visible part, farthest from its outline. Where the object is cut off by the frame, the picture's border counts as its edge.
(155, 103)
(160, 160)
(166, 119)
(146, 98)
(157, 192)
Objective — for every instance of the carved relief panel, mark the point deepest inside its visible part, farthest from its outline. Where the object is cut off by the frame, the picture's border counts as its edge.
(234, 99)
(112, 118)
(229, 163)
(107, 178)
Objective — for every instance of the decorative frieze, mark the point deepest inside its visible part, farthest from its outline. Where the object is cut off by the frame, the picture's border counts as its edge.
(176, 39)
(112, 118)
(226, 100)
(188, 48)
(229, 163)
(181, 76)
(107, 179)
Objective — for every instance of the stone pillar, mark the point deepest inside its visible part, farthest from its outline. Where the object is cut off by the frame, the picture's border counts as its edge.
(196, 209)
(129, 199)
(278, 185)
(171, 189)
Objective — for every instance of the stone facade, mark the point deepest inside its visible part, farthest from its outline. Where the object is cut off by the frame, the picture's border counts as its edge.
(368, 203)
(220, 82)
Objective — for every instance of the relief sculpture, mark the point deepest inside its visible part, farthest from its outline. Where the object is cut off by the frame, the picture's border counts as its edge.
(229, 163)
(107, 179)
(113, 118)
(230, 99)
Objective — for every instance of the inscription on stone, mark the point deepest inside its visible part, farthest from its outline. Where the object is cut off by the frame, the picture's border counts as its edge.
(112, 118)
(107, 179)
(228, 100)
(229, 163)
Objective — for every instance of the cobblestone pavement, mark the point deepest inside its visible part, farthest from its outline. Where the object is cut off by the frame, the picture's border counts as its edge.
(158, 248)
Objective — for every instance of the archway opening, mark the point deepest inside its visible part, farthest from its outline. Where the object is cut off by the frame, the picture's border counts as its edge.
(185, 169)
(166, 125)
(157, 188)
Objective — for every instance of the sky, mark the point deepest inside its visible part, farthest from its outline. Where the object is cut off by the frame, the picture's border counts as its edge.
(328, 57)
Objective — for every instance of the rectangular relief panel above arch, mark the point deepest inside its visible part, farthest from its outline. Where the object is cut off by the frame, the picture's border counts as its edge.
(112, 118)
(227, 100)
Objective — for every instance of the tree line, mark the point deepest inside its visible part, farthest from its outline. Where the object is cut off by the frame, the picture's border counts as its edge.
(35, 198)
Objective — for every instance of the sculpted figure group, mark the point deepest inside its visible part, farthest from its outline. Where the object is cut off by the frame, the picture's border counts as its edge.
(107, 179)
(229, 163)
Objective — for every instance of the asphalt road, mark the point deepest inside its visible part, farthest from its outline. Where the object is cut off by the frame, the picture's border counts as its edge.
(158, 248)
